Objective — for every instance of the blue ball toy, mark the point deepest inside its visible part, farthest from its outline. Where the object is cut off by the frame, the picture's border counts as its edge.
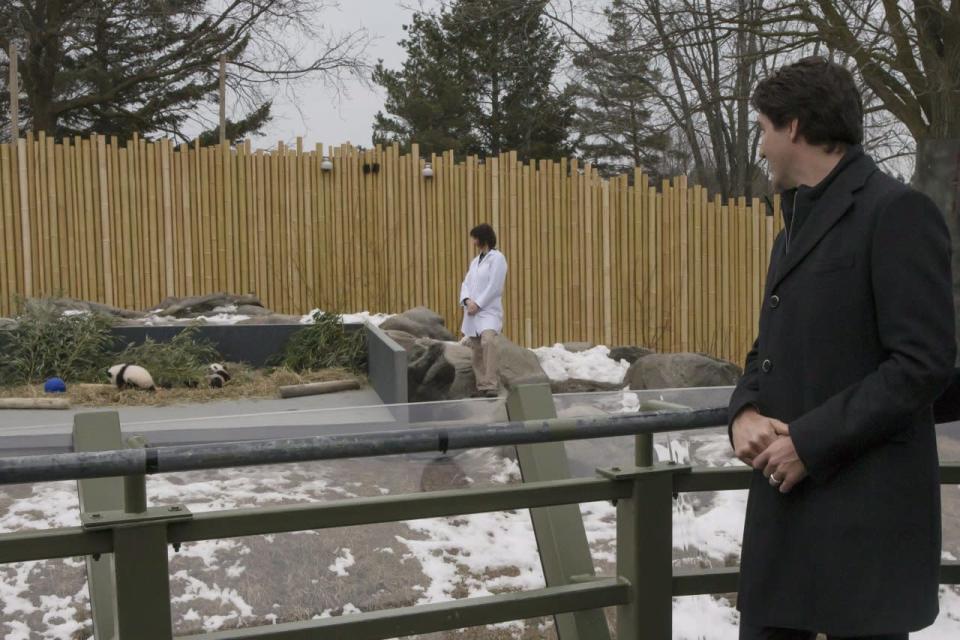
(55, 385)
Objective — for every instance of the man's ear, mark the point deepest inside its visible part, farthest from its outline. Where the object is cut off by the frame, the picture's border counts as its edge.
(793, 128)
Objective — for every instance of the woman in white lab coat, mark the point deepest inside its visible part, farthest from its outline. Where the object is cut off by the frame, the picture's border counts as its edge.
(480, 296)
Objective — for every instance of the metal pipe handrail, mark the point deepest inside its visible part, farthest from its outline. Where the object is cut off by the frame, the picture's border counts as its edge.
(417, 439)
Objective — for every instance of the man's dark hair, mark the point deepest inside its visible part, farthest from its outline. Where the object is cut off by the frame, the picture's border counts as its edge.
(484, 235)
(820, 94)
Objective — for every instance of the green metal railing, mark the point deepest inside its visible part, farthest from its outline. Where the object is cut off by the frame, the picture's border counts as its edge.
(126, 542)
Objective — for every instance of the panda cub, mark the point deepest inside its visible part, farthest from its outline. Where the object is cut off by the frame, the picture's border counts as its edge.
(131, 375)
(218, 375)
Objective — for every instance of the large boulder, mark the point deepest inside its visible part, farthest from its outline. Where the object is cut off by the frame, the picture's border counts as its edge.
(422, 360)
(402, 338)
(517, 365)
(199, 305)
(464, 381)
(420, 322)
(271, 318)
(72, 304)
(252, 310)
(630, 354)
(440, 370)
(680, 370)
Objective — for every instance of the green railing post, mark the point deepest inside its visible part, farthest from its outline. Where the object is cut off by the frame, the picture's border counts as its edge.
(645, 550)
(130, 588)
(561, 537)
(142, 578)
(135, 487)
(643, 450)
(99, 431)
(141, 574)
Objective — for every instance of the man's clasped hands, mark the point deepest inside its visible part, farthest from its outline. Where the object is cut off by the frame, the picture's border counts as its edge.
(765, 444)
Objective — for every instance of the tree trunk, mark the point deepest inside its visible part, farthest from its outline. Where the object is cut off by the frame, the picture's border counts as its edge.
(938, 175)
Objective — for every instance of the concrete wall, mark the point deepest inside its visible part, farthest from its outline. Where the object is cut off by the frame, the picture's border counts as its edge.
(255, 344)
(386, 366)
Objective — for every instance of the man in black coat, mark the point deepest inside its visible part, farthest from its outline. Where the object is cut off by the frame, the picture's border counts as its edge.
(856, 340)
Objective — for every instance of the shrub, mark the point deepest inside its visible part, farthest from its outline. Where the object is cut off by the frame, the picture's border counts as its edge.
(182, 362)
(45, 343)
(326, 344)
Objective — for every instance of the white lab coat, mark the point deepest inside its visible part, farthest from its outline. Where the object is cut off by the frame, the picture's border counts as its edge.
(484, 285)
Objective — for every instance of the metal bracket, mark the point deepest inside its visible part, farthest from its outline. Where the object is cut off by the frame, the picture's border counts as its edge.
(629, 473)
(118, 518)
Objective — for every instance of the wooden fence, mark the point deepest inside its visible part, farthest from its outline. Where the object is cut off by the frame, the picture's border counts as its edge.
(589, 259)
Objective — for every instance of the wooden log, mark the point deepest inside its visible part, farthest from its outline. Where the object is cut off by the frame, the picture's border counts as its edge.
(317, 388)
(34, 403)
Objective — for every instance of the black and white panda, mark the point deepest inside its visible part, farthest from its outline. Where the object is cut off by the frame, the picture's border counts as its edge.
(218, 375)
(131, 375)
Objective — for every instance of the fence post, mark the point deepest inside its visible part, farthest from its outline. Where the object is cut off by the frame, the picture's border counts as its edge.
(129, 590)
(142, 578)
(645, 550)
(99, 431)
(561, 537)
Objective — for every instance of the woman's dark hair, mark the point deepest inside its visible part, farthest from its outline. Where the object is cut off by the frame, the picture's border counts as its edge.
(820, 94)
(484, 235)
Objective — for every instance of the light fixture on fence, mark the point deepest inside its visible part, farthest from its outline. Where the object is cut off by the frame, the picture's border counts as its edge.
(428, 170)
(325, 164)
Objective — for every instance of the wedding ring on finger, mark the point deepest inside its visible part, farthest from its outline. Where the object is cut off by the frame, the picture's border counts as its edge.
(775, 481)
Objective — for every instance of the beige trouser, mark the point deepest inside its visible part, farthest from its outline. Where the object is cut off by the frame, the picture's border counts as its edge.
(485, 360)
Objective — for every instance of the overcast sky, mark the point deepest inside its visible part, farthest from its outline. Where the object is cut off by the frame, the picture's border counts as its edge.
(324, 118)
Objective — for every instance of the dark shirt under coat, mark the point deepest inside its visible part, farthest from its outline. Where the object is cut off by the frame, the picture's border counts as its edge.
(856, 340)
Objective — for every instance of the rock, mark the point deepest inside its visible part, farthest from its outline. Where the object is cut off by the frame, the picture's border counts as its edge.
(72, 304)
(439, 370)
(273, 318)
(575, 385)
(404, 325)
(680, 370)
(253, 310)
(7, 324)
(402, 338)
(577, 347)
(464, 380)
(630, 354)
(424, 315)
(199, 305)
(516, 365)
(420, 322)
(428, 374)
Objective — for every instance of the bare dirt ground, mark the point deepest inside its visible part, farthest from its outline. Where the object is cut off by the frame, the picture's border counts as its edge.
(246, 383)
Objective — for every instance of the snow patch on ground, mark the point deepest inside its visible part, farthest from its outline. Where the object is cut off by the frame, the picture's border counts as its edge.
(592, 364)
(947, 625)
(344, 561)
(352, 318)
(459, 549)
(223, 317)
(701, 617)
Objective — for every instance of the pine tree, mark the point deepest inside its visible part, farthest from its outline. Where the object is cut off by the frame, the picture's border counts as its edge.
(428, 97)
(613, 95)
(119, 67)
(478, 78)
